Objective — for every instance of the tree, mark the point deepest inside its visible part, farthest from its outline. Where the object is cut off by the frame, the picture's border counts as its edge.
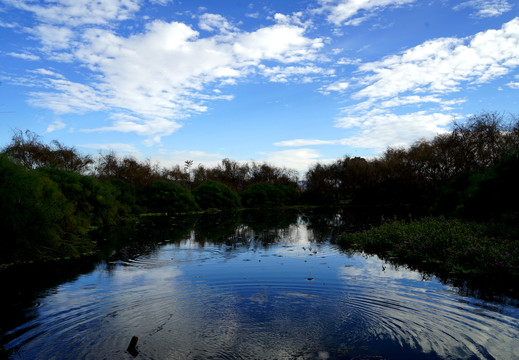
(27, 149)
(262, 195)
(214, 194)
(168, 197)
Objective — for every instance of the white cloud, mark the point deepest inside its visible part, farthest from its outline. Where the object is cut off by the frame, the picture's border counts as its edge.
(46, 72)
(338, 86)
(24, 56)
(513, 84)
(67, 96)
(378, 131)
(441, 65)
(280, 42)
(297, 159)
(354, 12)
(178, 157)
(117, 147)
(78, 12)
(56, 125)
(402, 97)
(8, 25)
(381, 130)
(486, 8)
(152, 79)
(305, 142)
(292, 73)
(215, 22)
(54, 37)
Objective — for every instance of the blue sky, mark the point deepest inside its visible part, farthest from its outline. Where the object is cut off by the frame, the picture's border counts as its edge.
(287, 82)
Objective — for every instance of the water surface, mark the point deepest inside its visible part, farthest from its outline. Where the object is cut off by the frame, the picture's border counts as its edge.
(246, 290)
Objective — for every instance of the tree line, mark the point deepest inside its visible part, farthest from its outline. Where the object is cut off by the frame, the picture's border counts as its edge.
(474, 165)
(53, 193)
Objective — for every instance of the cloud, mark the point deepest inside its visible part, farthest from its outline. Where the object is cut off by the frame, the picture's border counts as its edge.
(178, 157)
(305, 142)
(402, 97)
(281, 42)
(67, 97)
(378, 131)
(440, 66)
(513, 84)
(56, 125)
(117, 147)
(486, 8)
(24, 56)
(354, 12)
(292, 73)
(54, 37)
(297, 159)
(152, 79)
(215, 22)
(78, 12)
(338, 86)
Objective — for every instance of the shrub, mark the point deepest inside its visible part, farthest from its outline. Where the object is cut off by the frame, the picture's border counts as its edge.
(37, 220)
(168, 197)
(448, 246)
(262, 195)
(95, 202)
(214, 194)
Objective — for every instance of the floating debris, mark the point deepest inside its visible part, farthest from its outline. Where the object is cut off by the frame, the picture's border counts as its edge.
(132, 348)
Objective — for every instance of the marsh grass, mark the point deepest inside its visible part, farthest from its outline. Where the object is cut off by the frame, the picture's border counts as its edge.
(446, 246)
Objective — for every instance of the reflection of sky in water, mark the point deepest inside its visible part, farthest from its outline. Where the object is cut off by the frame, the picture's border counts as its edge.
(293, 298)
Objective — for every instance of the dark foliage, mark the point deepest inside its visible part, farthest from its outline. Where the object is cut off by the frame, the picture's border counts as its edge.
(214, 194)
(263, 195)
(167, 197)
(37, 220)
(27, 149)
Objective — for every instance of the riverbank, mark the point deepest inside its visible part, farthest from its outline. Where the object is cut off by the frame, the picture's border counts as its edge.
(445, 247)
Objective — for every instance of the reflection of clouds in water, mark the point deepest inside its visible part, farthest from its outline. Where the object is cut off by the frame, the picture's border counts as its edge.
(373, 267)
(400, 306)
(189, 300)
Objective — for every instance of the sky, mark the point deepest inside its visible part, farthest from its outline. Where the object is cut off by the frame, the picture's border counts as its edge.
(290, 83)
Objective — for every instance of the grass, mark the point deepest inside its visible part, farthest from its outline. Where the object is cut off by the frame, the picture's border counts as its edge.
(445, 246)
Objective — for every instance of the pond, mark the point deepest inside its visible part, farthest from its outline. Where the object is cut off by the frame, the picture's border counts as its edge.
(257, 286)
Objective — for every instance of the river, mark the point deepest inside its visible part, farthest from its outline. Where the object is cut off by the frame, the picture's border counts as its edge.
(259, 286)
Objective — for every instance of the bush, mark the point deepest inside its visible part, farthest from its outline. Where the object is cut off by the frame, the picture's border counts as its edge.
(36, 219)
(214, 194)
(290, 194)
(95, 202)
(446, 246)
(168, 197)
(262, 195)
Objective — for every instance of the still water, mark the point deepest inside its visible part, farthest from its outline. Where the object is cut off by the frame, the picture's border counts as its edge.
(232, 288)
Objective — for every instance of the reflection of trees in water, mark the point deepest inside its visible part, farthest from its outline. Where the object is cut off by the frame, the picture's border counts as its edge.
(216, 228)
(328, 224)
(256, 228)
(143, 238)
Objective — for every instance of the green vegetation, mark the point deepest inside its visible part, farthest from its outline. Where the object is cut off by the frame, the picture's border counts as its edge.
(416, 176)
(468, 175)
(37, 221)
(264, 195)
(52, 196)
(216, 195)
(170, 198)
(443, 246)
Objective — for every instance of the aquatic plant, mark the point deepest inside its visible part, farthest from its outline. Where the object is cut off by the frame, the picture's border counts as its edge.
(446, 245)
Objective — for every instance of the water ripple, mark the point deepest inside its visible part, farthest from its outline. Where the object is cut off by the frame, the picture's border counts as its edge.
(292, 300)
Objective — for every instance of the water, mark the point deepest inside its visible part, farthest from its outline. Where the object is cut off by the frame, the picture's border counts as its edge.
(250, 291)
